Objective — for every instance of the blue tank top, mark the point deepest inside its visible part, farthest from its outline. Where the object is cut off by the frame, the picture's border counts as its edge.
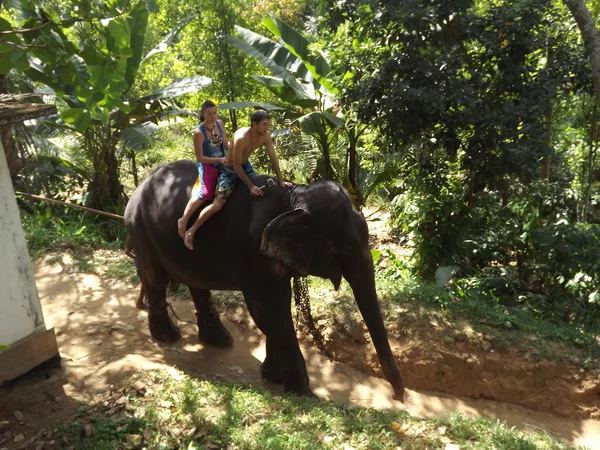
(213, 146)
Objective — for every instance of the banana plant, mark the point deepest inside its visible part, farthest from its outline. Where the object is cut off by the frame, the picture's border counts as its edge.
(91, 66)
(301, 78)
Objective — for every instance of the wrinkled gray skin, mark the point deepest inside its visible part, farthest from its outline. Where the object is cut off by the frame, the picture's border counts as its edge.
(254, 246)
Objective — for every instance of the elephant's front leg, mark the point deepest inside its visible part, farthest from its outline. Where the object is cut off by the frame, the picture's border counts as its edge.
(210, 328)
(271, 310)
(161, 326)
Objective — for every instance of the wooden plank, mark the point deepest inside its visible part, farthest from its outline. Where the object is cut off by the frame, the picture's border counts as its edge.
(28, 353)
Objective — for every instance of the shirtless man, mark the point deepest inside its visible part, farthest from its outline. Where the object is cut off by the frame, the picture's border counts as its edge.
(243, 143)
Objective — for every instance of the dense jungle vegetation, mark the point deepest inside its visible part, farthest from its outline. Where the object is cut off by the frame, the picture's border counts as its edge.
(474, 123)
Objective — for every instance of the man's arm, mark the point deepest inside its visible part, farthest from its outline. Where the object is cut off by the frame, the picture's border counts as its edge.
(236, 153)
(274, 161)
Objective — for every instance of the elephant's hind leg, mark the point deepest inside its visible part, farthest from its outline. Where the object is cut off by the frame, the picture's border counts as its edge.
(161, 326)
(210, 328)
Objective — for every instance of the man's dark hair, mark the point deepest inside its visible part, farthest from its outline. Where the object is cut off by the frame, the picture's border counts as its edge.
(207, 104)
(258, 116)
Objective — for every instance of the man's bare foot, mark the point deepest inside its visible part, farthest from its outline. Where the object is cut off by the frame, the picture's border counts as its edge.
(189, 240)
(181, 224)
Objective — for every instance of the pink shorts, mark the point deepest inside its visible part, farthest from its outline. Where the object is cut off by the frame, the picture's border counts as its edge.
(205, 185)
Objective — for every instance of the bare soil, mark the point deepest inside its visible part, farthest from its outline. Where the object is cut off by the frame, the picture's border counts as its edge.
(104, 340)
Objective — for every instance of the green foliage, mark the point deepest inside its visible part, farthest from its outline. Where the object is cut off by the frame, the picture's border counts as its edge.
(492, 298)
(54, 176)
(48, 227)
(445, 77)
(303, 78)
(93, 66)
(465, 94)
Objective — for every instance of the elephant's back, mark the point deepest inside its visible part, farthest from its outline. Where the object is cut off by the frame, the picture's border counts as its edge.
(162, 192)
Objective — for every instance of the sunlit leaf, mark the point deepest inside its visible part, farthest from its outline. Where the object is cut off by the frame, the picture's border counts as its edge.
(299, 46)
(79, 118)
(137, 136)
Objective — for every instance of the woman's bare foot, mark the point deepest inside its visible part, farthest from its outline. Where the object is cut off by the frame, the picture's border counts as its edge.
(189, 239)
(181, 224)
(142, 304)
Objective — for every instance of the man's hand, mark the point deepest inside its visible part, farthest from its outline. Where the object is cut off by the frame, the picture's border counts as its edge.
(285, 184)
(256, 191)
(226, 161)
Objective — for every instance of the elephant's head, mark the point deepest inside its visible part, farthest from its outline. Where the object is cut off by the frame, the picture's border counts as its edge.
(322, 235)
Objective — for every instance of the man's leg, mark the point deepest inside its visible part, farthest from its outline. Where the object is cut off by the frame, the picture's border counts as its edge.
(205, 214)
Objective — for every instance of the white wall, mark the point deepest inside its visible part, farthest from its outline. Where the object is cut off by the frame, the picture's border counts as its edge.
(20, 310)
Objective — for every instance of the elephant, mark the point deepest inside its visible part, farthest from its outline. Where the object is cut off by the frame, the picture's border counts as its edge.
(255, 245)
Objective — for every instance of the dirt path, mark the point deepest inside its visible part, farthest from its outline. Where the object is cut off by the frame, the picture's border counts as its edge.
(103, 339)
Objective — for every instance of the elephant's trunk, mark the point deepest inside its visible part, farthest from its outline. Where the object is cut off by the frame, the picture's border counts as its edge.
(362, 280)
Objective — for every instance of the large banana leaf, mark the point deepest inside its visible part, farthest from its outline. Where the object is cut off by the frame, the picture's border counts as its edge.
(138, 23)
(313, 123)
(78, 118)
(179, 87)
(170, 38)
(299, 46)
(135, 137)
(272, 55)
(294, 95)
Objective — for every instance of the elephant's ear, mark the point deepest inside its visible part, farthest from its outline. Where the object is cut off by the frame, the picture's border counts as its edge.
(286, 239)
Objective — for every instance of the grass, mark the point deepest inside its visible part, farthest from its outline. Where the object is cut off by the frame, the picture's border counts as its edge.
(176, 411)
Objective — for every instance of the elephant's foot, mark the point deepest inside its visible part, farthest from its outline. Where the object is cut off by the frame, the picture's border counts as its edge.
(162, 327)
(271, 372)
(215, 334)
(299, 389)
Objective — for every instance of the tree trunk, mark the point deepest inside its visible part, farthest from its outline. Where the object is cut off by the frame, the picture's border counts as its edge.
(470, 194)
(134, 170)
(590, 35)
(587, 169)
(15, 164)
(8, 141)
(353, 164)
(226, 28)
(327, 160)
(545, 171)
(105, 190)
